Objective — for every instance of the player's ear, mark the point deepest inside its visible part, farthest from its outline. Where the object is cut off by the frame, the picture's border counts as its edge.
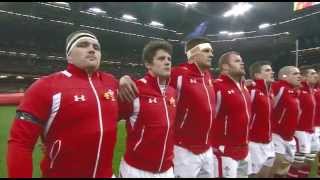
(147, 65)
(69, 59)
(225, 66)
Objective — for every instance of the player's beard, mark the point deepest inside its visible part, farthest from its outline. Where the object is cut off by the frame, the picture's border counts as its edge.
(237, 73)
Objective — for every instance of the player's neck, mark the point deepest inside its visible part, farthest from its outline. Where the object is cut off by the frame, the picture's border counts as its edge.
(162, 80)
(90, 72)
(268, 84)
(202, 69)
(310, 84)
(235, 78)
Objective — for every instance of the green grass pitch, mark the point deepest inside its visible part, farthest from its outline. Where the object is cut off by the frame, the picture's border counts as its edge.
(6, 116)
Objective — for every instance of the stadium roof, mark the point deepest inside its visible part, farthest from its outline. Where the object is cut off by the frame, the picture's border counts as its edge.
(41, 28)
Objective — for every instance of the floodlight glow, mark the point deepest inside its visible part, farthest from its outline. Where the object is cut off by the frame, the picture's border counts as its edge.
(128, 17)
(235, 33)
(62, 3)
(33, 55)
(12, 53)
(238, 9)
(186, 4)
(264, 25)
(3, 76)
(19, 77)
(155, 23)
(211, 35)
(97, 10)
(223, 32)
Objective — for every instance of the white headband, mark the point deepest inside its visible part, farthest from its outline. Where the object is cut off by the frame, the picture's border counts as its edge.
(74, 40)
(200, 46)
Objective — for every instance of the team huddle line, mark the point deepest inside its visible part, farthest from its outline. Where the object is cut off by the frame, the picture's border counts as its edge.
(180, 121)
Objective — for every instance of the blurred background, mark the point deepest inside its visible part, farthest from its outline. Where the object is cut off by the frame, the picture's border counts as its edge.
(33, 33)
(32, 41)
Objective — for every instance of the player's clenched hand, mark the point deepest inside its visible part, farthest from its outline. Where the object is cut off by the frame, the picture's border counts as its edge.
(249, 82)
(127, 89)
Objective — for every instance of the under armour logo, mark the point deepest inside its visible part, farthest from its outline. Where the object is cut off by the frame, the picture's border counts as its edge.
(154, 100)
(230, 91)
(261, 94)
(193, 81)
(290, 91)
(79, 98)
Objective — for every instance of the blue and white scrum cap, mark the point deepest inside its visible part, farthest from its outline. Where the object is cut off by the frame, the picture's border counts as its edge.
(75, 37)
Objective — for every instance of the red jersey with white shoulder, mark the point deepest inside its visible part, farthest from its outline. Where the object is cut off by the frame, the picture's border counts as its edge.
(308, 109)
(260, 121)
(233, 111)
(76, 116)
(195, 110)
(285, 109)
(150, 126)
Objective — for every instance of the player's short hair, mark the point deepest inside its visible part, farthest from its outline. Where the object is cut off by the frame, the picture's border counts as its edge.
(256, 67)
(304, 70)
(150, 49)
(224, 58)
(286, 70)
(317, 67)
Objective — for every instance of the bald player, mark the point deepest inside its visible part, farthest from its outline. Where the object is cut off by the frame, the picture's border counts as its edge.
(305, 127)
(285, 117)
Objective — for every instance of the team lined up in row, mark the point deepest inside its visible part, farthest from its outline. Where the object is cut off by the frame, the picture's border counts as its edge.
(259, 130)
(180, 121)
